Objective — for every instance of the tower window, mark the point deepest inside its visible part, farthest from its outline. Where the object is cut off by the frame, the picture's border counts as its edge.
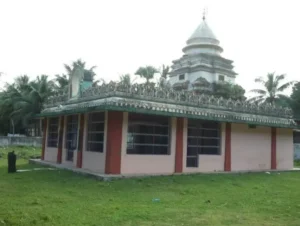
(181, 77)
(221, 78)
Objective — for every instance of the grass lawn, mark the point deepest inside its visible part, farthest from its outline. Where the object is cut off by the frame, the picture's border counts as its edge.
(63, 198)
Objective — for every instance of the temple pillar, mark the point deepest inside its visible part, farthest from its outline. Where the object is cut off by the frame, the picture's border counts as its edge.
(179, 145)
(273, 149)
(60, 138)
(114, 142)
(81, 140)
(227, 158)
(45, 128)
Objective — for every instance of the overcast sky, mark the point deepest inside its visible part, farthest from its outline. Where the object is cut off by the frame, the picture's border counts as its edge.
(38, 37)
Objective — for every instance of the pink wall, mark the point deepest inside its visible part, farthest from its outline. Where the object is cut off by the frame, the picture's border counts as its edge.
(285, 149)
(250, 148)
(50, 154)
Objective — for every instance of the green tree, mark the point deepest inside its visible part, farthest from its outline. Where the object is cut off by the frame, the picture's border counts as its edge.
(6, 108)
(89, 74)
(295, 100)
(23, 99)
(228, 90)
(61, 84)
(164, 71)
(126, 80)
(162, 82)
(272, 90)
(9, 98)
(147, 73)
(31, 101)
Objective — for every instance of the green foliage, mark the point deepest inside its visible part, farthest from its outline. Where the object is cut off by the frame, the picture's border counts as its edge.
(164, 72)
(61, 84)
(297, 163)
(229, 91)
(89, 74)
(126, 79)
(146, 72)
(295, 100)
(24, 98)
(29, 100)
(272, 90)
(21, 100)
(22, 152)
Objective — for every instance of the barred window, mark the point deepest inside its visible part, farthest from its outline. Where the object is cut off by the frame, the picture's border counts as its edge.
(95, 134)
(52, 140)
(148, 135)
(71, 132)
(296, 135)
(203, 138)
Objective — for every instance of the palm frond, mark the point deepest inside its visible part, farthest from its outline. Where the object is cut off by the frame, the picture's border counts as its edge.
(279, 78)
(285, 86)
(259, 91)
(260, 80)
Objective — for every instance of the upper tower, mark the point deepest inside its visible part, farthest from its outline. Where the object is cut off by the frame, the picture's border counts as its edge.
(202, 62)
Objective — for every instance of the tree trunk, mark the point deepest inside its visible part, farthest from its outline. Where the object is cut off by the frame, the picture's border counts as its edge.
(13, 126)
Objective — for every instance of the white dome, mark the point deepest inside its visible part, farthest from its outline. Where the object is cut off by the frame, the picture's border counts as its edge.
(203, 31)
(202, 40)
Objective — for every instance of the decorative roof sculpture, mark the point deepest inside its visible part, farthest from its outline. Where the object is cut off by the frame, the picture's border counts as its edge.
(167, 101)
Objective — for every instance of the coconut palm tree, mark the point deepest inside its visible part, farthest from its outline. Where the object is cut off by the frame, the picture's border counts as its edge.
(9, 98)
(164, 72)
(295, 100)
(61, 84)
(29, 102)
(272, 89)
(6, 108)
(77, 63)
(162, 81)
(88, 73)
(126, 80)
(146, 72)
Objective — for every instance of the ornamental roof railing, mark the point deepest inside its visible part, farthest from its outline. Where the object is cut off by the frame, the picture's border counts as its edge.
(56, 100)
(168, 95)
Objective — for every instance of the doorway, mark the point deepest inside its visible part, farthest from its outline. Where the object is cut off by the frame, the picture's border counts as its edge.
(71, 136)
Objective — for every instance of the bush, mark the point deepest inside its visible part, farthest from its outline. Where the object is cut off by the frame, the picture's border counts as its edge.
(22, 152)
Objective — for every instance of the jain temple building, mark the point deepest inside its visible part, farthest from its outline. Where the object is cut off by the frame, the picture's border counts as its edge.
(138, 129)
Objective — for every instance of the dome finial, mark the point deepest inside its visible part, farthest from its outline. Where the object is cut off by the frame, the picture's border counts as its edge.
(204, 14)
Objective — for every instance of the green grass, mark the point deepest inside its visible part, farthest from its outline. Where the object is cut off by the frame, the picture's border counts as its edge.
(63, 198)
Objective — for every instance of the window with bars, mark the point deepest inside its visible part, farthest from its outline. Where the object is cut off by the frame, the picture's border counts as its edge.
(296, 136)
(71, 135)
(95, 133)
(221, 78)
(203, 138)
(148, 135)
(52, 140)
(182, 77)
